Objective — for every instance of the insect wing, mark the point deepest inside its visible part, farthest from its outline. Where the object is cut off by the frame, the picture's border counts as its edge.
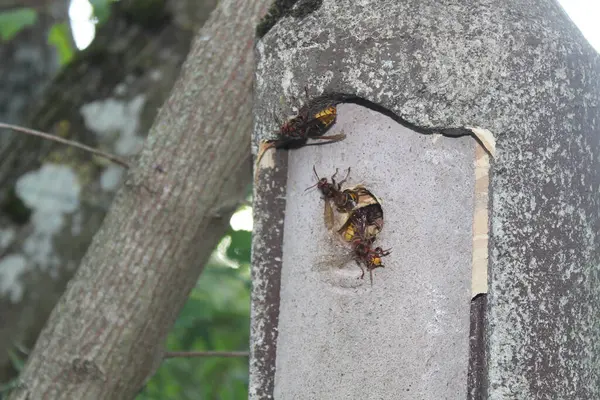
(339, 220)
(328, 215)
(334, 261)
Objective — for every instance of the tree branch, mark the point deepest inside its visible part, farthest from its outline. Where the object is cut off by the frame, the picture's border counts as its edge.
(47, 136)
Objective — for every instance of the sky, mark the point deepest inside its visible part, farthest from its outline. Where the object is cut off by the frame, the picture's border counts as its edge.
(585, 13)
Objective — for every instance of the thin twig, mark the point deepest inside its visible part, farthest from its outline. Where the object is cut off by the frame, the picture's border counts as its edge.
(47, 136)
(173, 354)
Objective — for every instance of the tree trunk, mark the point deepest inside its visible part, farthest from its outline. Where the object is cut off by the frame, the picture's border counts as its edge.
(107, 97)
(105, 337)
(514, 72)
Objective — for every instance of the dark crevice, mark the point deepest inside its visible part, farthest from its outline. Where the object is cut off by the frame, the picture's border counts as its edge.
(477, 373)
(296, 132)
(338, 98)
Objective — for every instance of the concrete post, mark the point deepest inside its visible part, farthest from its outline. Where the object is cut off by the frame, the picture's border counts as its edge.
(519, 71)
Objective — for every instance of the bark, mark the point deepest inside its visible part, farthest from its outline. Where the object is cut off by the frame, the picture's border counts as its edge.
(518, 69)
(107, 98)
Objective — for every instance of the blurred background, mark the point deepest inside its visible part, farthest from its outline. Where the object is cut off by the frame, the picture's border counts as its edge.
(97, 72)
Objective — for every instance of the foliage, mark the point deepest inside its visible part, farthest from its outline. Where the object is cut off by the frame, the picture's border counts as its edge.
(60, 37)
(215, 317)
(13, 21)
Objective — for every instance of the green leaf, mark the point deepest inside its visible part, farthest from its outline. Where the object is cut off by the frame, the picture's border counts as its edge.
(60, 38)
(13, 21)
(240, 247)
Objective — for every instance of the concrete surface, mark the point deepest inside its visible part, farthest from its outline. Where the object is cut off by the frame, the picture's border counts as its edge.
(520, 69)
(407, 336)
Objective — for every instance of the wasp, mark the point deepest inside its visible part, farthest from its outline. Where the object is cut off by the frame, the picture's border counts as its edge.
(314, 119)
(362, 245)
(348, 201)
(373, 223)
(309, 124)
(357, 219)
(359, 232)
(344, 200)
(366, 205)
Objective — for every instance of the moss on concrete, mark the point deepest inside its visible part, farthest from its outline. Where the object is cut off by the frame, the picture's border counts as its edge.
(282, 8)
